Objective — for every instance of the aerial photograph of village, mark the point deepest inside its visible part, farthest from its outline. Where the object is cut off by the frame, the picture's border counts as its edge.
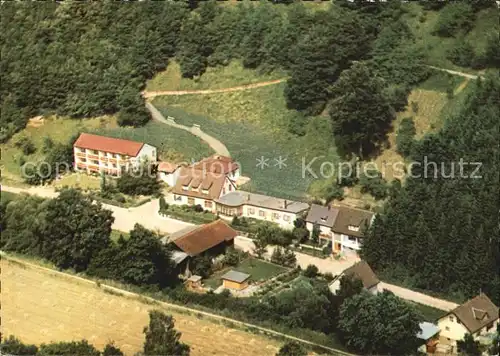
(250, 177)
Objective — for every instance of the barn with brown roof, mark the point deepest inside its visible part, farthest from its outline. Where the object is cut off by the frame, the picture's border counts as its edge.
(210, 239)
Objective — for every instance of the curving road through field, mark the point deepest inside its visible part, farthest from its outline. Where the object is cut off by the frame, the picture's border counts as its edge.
(216, 145)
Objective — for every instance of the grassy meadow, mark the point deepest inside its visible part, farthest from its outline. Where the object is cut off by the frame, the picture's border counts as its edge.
(253, 124)
(234, 74)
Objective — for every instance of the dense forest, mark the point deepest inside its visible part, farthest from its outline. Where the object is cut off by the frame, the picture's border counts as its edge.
(440, 230)
(83, 59)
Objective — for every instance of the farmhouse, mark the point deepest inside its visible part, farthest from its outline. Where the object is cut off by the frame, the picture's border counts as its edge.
(478, 317)
(281, 211)
(235, 280)
(169, 172)
(195, 187)
(361, 271)
(344, 226)
(95, 154)
(220, 165)
(209, 239)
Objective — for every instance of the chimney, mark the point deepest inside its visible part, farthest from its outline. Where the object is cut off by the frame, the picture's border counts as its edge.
(285, 204)
(329, 207)
(248, 197)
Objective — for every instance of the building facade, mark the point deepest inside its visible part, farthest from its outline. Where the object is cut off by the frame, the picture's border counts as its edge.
(196, 187)
(96, 154)
(344, 227)
(262, 207)
(478, 317)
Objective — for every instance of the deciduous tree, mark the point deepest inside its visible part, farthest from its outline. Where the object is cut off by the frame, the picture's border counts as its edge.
(162, 338)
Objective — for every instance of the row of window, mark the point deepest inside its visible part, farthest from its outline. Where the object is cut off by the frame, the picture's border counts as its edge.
(103, 154)
(262, 214)
(96, 163)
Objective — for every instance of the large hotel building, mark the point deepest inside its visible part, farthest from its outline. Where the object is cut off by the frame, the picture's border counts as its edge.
(95, 154)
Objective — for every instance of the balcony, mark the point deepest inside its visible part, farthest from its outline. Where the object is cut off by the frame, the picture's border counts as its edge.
(96, 157)
(80, 154)
(81, 165)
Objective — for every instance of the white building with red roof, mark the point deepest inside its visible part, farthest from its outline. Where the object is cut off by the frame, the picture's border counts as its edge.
(94, 154)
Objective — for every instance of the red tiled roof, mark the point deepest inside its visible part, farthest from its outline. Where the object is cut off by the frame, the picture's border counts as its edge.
(217, 164)
(167, 167)
(108, 144)
(197, 181)
(205, 237)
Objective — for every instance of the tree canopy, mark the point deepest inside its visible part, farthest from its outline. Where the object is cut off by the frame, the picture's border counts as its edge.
(379, 324)
(161, 337)
(441, 229)
(360, 112)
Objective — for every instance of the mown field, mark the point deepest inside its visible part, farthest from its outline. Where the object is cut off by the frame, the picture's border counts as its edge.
(39, 306)
(253, 125)
(234, 74)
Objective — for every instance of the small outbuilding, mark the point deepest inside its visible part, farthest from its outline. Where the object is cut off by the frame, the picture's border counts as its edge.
(194, 281)
(235, 280)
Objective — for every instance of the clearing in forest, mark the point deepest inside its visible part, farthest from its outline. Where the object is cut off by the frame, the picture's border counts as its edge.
(39, 306)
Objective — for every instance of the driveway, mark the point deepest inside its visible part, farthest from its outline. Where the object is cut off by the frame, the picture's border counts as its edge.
(125, 218)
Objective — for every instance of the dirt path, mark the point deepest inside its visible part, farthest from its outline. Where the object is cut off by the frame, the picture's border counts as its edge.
(152, 94)
(125, 218)
(153, 301)
(216, 145)
(454, 72)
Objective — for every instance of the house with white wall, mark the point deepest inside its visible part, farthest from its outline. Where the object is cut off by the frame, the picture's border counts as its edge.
(478, 316)
(349, 230)
(196, 187)
(169, 172)
(96, 154)
(344, 226)
(262, 207)
(361, 271)
(323, 217)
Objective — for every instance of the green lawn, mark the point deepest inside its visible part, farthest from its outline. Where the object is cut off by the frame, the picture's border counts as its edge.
(6, 197)
(254, 124)
(172, 143)
(258, 270)
(427, 313)
(234, 74)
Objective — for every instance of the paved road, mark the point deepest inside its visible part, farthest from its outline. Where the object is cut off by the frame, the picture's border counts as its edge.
(419, 297)
(152, 94)
(125, 219)
(153, 301)
(147, 216)
(336, 267)
(216, 145)
(454, 72)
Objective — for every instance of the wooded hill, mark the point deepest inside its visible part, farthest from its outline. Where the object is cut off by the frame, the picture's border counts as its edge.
(442, 233)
